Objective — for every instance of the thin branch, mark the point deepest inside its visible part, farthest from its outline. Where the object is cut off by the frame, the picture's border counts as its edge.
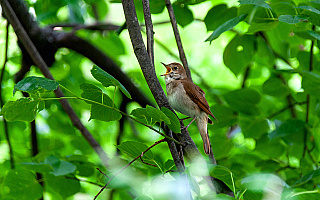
(125, 167)
(5, 124)
(36, 57)
(182, 55)
(85, 181)
(95, 27)
(245, 76)
(102, 173)
(285, 108)
(149, 27)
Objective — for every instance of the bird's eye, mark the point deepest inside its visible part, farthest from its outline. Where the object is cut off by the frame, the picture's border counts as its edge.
(175, 68)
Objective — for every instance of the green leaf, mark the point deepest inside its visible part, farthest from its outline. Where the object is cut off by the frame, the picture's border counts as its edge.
(309, 8)
(224, 174)
(241, 47)
(260, 3)
(21, 184)
(60, 167)
(244, 100)
(134, 149)
(217, 15)
(290, 127)
(174, 121)
(141, 113)
(254, 128)
(272, 149)
(292, 19)
(107, 80)
(226, 116)
(314, 34)
(35, 84)
(169, 165)
(183, 14)
(225, 27)
(157, 115)
(307, 177)
(99, 111)
(256, 27)
(62, 185)
(23, 109)
(275, 87)
(38, 167)
(311, 83)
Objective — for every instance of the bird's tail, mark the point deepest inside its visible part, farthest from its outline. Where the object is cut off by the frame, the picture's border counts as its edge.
(202, 126)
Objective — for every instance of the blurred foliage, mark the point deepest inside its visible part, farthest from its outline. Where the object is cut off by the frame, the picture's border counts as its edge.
(253, 59)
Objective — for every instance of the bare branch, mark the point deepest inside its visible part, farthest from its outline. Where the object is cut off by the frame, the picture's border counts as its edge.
(125, 167)
(182, 55)
(149, 27)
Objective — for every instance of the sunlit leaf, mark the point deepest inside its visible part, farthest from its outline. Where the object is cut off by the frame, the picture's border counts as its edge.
(311, 83)
(225, 27)
(23, 109)
(174, 121)
(141, 113)
(157, 115)
(35, 84)
(98, 110)
(108, 80)
(241, 47)
(259, 182)
(224, 174)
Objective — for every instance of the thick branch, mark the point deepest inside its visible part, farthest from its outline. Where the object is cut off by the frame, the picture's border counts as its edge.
(37, 59)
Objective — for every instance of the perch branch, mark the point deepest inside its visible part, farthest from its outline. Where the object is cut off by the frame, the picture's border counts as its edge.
(149, 27)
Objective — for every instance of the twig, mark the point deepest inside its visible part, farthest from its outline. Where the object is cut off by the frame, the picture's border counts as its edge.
(285, 108)
(38, 60)
(125, 167)
(146, 162)
(5, 124)
(149, 27)
(245, 76)
(182, 55)
(85, 181)
(102, 172)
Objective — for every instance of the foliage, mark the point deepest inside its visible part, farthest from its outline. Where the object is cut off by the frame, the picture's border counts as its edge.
(258, 62)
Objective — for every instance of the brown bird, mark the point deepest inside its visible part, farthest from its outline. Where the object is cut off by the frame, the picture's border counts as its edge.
(189, 99)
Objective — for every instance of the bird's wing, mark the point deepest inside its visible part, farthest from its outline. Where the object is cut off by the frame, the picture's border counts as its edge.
(197, 95)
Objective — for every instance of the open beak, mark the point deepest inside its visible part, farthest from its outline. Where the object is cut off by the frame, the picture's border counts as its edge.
(168, 69)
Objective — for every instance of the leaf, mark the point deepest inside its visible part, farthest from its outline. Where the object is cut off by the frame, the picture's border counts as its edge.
(24, 109)
(35, 84)
(174, 121)
(225, 27)
(306, 178)
(217, 15)
(20, 184)
(134, 149)
(157, 115)
(141, 113)
(99, 111)
(254, 128)
(62, 185)
(183, 14)
(314, 34)
(244, 100)
(107, 80)
(60, 167)
(272, 149)
(275, 87)
(311, 83)
(292, 19)
(260, 3)
(309, 8)
(256, 27)
(38, 167)
(241, 47)
(290, 127)
(169, 165)
(224, 174)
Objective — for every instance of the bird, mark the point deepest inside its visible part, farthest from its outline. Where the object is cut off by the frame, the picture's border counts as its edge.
(189, 99)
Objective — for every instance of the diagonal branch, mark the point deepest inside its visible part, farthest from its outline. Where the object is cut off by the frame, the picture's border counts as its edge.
(37, 59)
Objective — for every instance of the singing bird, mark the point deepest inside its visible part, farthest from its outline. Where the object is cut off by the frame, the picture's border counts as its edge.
(189, 99)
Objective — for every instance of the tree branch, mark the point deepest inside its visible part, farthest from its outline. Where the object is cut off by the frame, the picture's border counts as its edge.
(149, 27)
(37, 59)
(182, 55)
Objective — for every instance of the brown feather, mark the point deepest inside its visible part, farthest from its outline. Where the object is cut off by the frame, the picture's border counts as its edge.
(197, 96)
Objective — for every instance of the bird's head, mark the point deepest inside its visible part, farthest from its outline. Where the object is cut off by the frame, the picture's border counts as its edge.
(174, 71)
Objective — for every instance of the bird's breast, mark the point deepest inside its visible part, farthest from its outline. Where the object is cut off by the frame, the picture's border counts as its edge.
(180, 101)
